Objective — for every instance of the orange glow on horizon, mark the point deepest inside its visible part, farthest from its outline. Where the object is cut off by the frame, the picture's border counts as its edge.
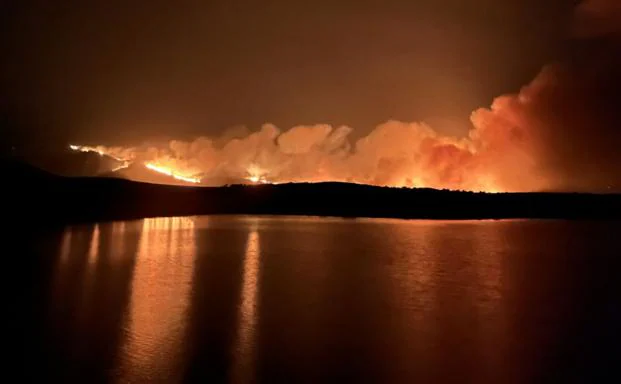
(256, 175)
(259, 172)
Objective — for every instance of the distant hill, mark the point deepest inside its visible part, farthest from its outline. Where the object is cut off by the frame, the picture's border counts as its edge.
(32, 194)
(66, 162)
(15, 171)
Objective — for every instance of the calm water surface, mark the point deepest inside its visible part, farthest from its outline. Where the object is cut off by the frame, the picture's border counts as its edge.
(261, 299)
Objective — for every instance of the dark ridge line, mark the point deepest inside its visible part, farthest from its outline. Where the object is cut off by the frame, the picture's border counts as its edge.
(35, 195)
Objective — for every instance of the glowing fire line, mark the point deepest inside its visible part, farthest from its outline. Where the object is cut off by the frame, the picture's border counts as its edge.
(171, 173)
(126, 163)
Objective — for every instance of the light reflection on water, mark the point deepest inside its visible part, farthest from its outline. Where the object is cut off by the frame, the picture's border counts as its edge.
(93, 250)
(65, 246)
(243, 359)
(154, 260)
(236, 298)
(156, 317)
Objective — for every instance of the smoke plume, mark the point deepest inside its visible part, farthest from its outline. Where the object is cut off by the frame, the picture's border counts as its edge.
(560, 132)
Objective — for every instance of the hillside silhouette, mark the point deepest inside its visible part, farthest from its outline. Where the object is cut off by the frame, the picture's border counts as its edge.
(34, 194)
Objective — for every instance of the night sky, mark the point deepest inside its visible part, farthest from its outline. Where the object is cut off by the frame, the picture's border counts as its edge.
(126, 71)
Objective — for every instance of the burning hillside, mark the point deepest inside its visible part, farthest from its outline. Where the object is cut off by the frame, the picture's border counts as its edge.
(519, 144)
(394, 154)
(172, 173)
(162, 170)
(148, 171)
(560, 132)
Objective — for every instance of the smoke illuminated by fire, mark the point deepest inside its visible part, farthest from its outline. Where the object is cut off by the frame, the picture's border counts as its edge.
(505, 151)
(498, 155)
(495, 157)
(395, 154)
(560, 132)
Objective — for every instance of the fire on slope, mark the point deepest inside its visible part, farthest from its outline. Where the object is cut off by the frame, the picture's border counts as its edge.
(170, 172)
(101, 151)
(241, 162)
(506, 150)
(126, 162)
(253, 174)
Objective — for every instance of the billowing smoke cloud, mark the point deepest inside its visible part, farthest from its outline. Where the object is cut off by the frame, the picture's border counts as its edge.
(496, 156)
(560, 132)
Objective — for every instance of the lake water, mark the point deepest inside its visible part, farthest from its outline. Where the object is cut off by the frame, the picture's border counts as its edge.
(262, 299)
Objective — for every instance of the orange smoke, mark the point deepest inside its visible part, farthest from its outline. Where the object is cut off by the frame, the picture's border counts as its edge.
(394, 154)
(507, 150)
(496, 156)
(560, 132)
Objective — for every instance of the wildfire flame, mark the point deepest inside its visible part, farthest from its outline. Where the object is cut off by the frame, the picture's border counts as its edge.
(124, 165)
(101, 151)
(169, 172)
(255, 172)
(256, 175)
(544, 137)
(254, 179)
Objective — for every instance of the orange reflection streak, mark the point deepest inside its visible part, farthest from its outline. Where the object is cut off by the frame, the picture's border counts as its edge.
(487, 296)
(65, 247)
(415, 266)
(160, 290)
(93, 250)
(246, 329)
(488, 266)
(118, 237)
(62, 264)
(88, 277)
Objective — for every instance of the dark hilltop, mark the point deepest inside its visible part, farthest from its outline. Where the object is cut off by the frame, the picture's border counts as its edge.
(36, 194)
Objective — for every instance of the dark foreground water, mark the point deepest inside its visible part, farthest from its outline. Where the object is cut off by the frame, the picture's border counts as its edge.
(261, 299)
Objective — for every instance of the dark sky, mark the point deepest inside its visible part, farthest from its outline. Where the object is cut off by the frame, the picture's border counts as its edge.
(121, 71)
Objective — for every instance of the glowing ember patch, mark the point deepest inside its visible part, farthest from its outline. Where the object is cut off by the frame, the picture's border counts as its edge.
(171, 173)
